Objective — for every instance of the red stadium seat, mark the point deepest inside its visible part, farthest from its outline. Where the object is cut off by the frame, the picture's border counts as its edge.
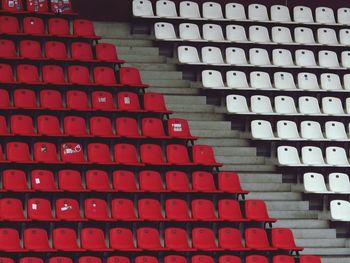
(153, 127)
(6, 260)
(6, 72)
(203, 182)
(3, 126)
(45, 152)
(99, 153)
(75, 126)
(123, 209)
(177, 181)
(11, 209)
(72, 153)
(60, 260)
(65, 239)
(51, 99)
(128, 101)
(64, 7)
(88, 259)
(97, 180)
(81, 51)
(9, 25)
(24, 98)
(22, 125)
(39, 209)
(175, 259)
(28, 74)
(36, 239)
(18, 152)
(229, 182)
(176, 209)
(230, 239)
(256, 259)
(107, 52)
(176, 239)
(4, 99)
(58, 27)
(203, 209)
(126, 154)
(15, 181)
(7, 49)
(70, 180)
(155, 102)
(256, 210)
(202, 259)
(309, 259)
(131, 77)
(229, 259)
(12, 6)
(49, 125)
(204, 155)
(93, 239)
(2, 156)
(229, 210)
(104, 76)
(101, 126)
(79, 75)
(30, 49)
(55, 50)
(43, 181)
(33, 26)
(179, 128)
(177, 154)
(77, 100)
(146, 259)
(38, 6)
(148, 238)
(256, 239)
(282, 238)
(127, 127)
(68, 210)
(10, 241)
(283, 259)
(102, 100)
(149, 209)
(152, 154)
(124, 181)
(84, 28)
(53, 74)
(122, 239)
(150, 181)
(96, 209)
(203, 239)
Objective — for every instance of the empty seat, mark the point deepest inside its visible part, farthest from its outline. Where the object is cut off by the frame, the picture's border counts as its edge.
(230, 239)
(344, 37)
(79, 75)
(153, 127)
(70, 180)
(327, 36)
(33, 26)
(127, 127)
(176, 239)
(282, 238)
(332, 106)
(256, 210)
(229, 210)
(282, 58)
(188, 55)
(53, 74)
(280, 13)
(259, 34)
(147, 259)
(60, 260)
(262, 130)
(9, 6)
(235, 11)
(176, 209)
(30, 49)
(285, 105)
(89, 259)
(9, 25)
(93, 239)
(256, 238)
(152, 154)
(229, 182)
(281, 35)
(189, 9)
(237, 80)
(18, 152)
(150, 181)
(310, 259)
(28, 74)
(335, 131)
(43, 181)
(257, 12)
(68, 210)
(304, 35)
(189, 31)
(237, 104)
(202, 259)
(107, 52)
(179, 128)
(177, 181)
(83, 28)
(203, 239)
(97, 180)
(311, 130)
(102, 100)
(213, 32)
(45, 152)
(328, 59)
(121, 239)
(125, 154)
(15, 180)
(261, 104)
(259, 57)
(123, 209)
(314, 183)
(101, 126)
(166, 8)
(236, 56)
(164, 31)
(204, 155)
(339, 183)
(307, 81)
(230, 259)
(305, 58)
(260, 80)
(41, 7)
(256, 259)
(36, 239)
(212, 10)
(155, 102)
(149, 209)
(9, 240)
(309, 105)
(81, 51)
(65, 239)
(131, 77)
(11, 209)
(4, 99)
(72, 153)
(51, 99)
(302, 14)
(128, 101)
(177, 154)
(96, 209)
(203, 209)
(236, 33)
(203, 181)
(39, 209)
(142, 8)
(58, 27)
(312, 156)
(75, 126)
(324, 15)
(340, 210)
(212, 55)
(99, 153)
(148, 238)
(22, 125)
(330, 81)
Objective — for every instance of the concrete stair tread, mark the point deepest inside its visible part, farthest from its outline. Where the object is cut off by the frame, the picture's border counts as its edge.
(250, 168)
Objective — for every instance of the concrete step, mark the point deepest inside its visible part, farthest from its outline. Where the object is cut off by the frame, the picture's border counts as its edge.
(260, 178)
(280, 196)
(314, 233)
(142, 59)
(199, 116)
(264, 187)
(328, 251)
(211, 125)
(235, 151)
(152, 66)
(286, 205)
(124, 42)
(179, 83)
(249, 168)
(186, 100)
(191, 108)
(173, 91)
(340, 259)
(204, 133)
(293, 214)
(142, 51)
(222, 142)
(318, 243)
(148, 76)
(253, 160)
(301, 223)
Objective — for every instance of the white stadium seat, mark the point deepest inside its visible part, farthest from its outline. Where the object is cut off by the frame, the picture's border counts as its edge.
(347, 105)
(311, 130)
(339, 183)
(212, 32)
(259, 57)
(165, 31)
(346, 82)
(235, 11)
(302, 14)
(236, 33)
(189, 9)
(280, 13)
(188, 55)
(328, 59)
(281, 35)
(309, 105)
(324, 15)
(287, 130)
(336, 156)
(327, 36)
(262, 130)
(212, 10)
(307, 81)
(282, 58)
(261, 104)
(340, 210)
(260, 80)
(236, 56)
(166, 8)
(288, 156)
(332, 106)
(304, 35)
(345, 59)
(237, 104)
(330, 81)
(142, 8)
(344, 37)
(212, 79)
(212, 55)
(343, 15)
(314, 183)
(305, 58)
(257, 12)
(189, 31)
(312, 156)
(259, 34)
(284, 81)
(285, 105)
(335, 131)
(237, 80)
